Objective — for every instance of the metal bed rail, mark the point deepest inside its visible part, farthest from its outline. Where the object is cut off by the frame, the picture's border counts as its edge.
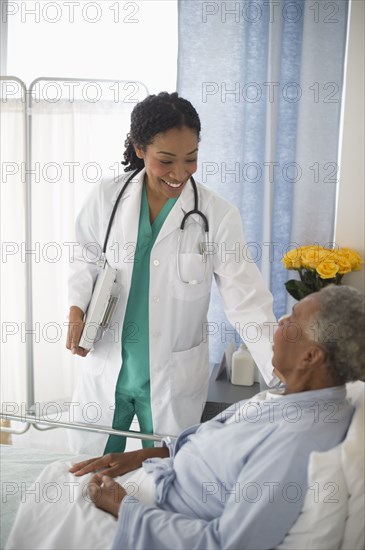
(51, 424)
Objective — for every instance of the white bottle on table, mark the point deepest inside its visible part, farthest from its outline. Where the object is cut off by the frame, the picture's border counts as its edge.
(243, 367)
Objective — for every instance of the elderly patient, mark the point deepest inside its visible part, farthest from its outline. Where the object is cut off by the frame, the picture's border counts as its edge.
(239, 480)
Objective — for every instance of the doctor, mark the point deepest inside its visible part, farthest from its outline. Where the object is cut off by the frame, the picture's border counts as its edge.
(153, 362)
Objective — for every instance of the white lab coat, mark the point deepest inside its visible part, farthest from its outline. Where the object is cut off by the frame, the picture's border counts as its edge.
(178, 326)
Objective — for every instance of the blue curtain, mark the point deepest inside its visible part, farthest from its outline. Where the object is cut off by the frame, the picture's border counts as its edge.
(266, 79)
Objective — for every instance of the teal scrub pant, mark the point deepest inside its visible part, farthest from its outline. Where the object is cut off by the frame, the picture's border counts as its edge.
(126, 407)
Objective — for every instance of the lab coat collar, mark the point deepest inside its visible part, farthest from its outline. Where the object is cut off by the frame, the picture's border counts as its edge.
(186, 200)
(184, 204)
(134, 186)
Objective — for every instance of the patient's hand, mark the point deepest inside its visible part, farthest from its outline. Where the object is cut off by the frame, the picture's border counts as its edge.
(106, 494)
(117, 464)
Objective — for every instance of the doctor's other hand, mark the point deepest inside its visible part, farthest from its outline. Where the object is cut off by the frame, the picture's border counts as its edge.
(75, 328)
(117, 464)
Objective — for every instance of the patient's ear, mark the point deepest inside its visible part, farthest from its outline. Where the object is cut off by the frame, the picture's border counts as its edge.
(315, 356)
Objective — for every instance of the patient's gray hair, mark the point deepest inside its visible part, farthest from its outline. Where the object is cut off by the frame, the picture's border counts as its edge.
(340, 329)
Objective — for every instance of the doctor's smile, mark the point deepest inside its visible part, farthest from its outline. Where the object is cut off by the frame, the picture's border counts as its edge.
(174, 185)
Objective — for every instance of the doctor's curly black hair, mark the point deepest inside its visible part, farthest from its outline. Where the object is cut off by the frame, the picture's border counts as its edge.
(153, 115)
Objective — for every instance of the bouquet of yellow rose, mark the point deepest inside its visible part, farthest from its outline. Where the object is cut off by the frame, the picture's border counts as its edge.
(317, 267)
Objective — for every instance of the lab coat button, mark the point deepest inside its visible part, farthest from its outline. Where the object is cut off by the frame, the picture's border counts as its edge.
(156, 299)
(156, 334)
(156, 262)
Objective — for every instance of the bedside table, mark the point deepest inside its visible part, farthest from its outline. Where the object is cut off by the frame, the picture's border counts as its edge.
(221, 394)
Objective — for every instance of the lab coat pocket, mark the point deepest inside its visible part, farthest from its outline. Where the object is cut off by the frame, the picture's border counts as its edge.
(97, 357)
(190, 371)
(193, 277)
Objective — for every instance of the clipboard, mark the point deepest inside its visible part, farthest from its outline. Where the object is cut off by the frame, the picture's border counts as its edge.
(101, 308)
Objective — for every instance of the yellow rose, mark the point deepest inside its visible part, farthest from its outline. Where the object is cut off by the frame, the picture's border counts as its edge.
(292, 259)
(327, 269)
(332, 254)
(313, 256)
(353, 257)
(344, 265)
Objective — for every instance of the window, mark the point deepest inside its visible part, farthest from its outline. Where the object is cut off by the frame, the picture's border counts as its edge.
(123, 40)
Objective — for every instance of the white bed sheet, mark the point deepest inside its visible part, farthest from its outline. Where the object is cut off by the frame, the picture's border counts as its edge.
(58, 514)
(19, 468)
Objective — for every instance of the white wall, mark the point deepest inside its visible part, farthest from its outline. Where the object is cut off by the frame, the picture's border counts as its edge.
(349, 226)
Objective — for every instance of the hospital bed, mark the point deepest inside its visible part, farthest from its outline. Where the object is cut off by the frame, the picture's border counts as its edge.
(332, 516)
(20, 467)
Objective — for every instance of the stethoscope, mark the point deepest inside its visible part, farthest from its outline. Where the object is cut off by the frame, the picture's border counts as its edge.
(203, 246)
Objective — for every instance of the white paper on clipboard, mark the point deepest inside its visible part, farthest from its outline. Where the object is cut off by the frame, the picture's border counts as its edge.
(101, 308)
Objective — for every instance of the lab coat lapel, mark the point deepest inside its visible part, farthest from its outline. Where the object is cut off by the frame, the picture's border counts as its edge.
(127, 216)
(184, 204)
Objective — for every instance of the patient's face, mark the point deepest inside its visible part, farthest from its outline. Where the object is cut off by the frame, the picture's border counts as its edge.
(294, 333)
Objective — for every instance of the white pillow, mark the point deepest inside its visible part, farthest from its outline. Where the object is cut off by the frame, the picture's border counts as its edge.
(321, 522)
(340, 524)
(353, 465)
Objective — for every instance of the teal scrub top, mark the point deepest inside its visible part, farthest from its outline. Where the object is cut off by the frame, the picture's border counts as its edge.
(134, 377)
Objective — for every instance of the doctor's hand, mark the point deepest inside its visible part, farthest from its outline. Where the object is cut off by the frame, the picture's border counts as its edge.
(116, 464)
(75, 328)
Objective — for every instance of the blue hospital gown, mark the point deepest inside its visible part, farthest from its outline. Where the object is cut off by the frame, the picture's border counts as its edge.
(239, 480)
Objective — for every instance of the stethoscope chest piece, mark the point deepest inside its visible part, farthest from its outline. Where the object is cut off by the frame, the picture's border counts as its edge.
(203, 246)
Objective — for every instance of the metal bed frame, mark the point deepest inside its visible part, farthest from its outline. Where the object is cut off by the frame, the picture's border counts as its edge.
(30, 417)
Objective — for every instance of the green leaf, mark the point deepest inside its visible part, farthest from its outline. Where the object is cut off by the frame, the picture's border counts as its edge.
(298, 289)
(310, 280)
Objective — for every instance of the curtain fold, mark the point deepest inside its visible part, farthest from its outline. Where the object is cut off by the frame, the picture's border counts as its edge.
(266, 79)
(73, 145)
(13, 269)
